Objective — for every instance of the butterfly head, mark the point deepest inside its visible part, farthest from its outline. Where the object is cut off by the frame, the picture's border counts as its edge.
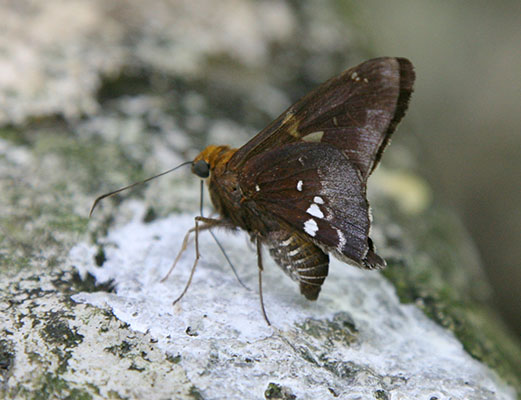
(211, 158)
(201, 168)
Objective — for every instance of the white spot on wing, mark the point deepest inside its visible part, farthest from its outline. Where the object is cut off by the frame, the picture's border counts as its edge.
(315, 211)
(370, 214)
(354, 75)
(341, 240)
(310, 227)
(318, 200)
(299, 186)
(257, 188)
(313, 137)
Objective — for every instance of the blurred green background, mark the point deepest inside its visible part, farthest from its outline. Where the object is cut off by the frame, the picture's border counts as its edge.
(466, 112)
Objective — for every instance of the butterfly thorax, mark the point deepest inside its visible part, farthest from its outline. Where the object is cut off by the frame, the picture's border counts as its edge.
(226, 194)
(215, 156)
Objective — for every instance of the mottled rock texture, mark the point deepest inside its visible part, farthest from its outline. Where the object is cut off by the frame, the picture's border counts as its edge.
(94, 95)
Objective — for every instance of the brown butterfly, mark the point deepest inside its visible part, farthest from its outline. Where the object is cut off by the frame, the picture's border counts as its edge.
(299, 186)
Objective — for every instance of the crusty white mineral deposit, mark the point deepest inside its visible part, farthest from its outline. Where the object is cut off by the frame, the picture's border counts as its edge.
(357, 339)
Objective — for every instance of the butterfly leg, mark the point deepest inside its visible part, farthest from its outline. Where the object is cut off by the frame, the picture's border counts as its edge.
(208, 224)
(183, 248)
(259, 263)
(196, 228)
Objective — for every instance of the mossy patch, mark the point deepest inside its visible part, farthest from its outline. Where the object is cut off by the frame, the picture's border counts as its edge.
(14, 135)
(381, 395)
(53, 386)
(195, 393)
(345, 370)
(173, 359)
(339, 329)
(7, 356)
(120, 350)
(276, 391)
(89, 284)
(58, 332)
(88, 158)
(100, 256)
(40, 204)
(150, 215)
(439, 274)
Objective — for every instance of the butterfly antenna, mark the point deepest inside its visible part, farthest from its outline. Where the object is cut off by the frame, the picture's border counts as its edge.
(110, 194)
(219, 244)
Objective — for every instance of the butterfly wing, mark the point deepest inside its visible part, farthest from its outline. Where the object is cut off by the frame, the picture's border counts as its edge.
(356, 112)
(315, 189)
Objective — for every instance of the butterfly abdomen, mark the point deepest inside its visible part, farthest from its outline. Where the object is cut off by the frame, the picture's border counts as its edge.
(300, 259)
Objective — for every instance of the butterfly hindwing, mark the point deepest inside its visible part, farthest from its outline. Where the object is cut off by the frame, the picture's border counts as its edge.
(355, 112)
(313, 188)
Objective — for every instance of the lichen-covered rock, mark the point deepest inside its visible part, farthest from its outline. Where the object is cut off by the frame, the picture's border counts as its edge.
(357, 340)
(56, 348)
(97, 94)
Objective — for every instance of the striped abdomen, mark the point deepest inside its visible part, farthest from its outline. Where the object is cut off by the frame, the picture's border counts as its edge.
(301, 260)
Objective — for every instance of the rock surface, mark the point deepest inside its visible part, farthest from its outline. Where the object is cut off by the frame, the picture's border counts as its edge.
(95, 95)
(355, 342)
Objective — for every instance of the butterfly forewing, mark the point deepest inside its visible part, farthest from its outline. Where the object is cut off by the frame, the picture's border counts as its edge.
(356, 112)
(314, 189)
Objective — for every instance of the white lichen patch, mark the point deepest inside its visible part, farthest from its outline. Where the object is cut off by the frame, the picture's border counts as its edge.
(219, 323)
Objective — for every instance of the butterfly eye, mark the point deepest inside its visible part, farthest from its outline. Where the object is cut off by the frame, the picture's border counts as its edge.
(201, 168)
